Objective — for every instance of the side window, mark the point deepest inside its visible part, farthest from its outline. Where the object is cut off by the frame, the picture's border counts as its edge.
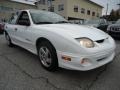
(23, 19)
(13, 18)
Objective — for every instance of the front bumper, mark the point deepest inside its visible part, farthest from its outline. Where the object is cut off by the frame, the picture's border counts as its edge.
(95, 60)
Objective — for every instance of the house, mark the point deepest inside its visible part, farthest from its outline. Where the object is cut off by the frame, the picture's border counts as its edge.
(9, 6)
(72, 9)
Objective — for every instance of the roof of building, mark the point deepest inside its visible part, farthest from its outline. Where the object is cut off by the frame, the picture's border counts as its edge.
(32, 2)
(24, 2)
(95, 3)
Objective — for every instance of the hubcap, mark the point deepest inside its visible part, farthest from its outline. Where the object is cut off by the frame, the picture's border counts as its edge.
(45, 56)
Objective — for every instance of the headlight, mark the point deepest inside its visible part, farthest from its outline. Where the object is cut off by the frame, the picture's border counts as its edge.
(86, 42)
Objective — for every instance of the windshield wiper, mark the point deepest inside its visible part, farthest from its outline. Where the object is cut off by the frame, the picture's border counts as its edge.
(62, 22)
(44, 23)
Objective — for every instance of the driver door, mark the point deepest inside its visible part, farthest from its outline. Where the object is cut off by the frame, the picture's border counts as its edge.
(23, 30)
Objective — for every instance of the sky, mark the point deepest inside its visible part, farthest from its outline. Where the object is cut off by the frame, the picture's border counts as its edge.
(112, 4)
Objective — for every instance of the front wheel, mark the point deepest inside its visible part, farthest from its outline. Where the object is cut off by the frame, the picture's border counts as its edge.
(47, 55)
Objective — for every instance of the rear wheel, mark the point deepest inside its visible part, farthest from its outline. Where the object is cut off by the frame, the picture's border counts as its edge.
(8, 40)
(47, 55)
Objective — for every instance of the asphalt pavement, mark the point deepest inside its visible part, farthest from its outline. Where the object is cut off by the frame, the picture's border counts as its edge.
(21, 70)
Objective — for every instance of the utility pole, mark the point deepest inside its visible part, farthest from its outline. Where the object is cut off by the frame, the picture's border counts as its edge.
(37, 3)
(50, 4)
(119, 8)
(107, 9)
(119, 5)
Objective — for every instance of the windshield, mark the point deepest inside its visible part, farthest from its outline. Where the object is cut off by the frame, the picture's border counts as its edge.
(44, 17)
(118, 22)
(94, 21)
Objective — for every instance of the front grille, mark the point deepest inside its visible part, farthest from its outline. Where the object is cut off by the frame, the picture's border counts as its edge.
(100, 41)
(115, 29)
(101, 59)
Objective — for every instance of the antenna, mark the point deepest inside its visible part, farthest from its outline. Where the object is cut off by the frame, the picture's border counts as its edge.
(119, 8)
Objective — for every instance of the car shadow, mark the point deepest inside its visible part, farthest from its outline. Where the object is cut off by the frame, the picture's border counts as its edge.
(60, 70)
(29, 64)
(63, 71)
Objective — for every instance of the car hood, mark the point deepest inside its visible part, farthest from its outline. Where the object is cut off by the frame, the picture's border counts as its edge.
(75, 31)
(92, 25)
(114, 25)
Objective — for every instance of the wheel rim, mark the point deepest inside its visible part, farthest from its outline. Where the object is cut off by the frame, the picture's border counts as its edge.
(7, 39)
(45, 56)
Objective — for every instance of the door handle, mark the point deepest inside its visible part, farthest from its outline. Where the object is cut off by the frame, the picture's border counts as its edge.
(16, 29)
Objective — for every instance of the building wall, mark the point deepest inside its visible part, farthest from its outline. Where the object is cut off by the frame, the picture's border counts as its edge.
(42, 5)
(10, 6)
(7, 7)
(82, 4)
(56, 3)
(69, 8)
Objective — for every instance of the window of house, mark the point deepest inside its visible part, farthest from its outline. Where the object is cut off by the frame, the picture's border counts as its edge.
(51, 8)
(60, 7)
(82, 10)
(98, 14)
(42, 2)
(75, 8)
(88, 12)
(93, 13)
(51, 0)
(4, 8)
(43, 9)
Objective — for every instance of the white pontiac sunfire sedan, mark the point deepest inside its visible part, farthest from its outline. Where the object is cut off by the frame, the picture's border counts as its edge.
(59, 43)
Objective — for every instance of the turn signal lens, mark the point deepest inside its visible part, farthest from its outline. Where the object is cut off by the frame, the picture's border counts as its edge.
(85, 62)
(66, 58)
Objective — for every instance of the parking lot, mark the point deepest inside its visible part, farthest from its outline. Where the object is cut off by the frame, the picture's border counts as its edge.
(21, 70)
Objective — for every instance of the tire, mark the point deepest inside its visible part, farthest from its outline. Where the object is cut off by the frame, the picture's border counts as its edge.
(47, 56)
(8, 40)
